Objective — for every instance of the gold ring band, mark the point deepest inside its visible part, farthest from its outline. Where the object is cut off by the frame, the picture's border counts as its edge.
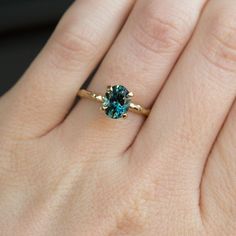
(136, 108)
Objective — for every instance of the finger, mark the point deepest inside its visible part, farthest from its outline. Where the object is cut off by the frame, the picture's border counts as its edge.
(192, 106)
(218, 189)
(46, 92)
(140, 59)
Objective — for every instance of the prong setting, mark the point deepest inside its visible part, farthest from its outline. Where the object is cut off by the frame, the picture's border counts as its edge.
(109, 88)
(125, 116)
(130, 94)
(103, 108)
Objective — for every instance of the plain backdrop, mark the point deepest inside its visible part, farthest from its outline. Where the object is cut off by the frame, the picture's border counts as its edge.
(25, 26)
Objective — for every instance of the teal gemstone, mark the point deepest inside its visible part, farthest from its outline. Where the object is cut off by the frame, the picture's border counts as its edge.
(116, 102)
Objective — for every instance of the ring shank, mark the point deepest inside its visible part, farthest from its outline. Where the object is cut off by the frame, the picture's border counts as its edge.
(136, 108)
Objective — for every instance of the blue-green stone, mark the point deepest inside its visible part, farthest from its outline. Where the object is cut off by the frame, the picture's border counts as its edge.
(116, 102)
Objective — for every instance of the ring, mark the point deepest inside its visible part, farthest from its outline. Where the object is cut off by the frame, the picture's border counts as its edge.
(116, 102)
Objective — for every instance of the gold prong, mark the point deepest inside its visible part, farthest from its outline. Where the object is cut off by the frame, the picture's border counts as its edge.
(99, 98)
(125, 116)
(130, 94)
(103, 108)
(109, 88)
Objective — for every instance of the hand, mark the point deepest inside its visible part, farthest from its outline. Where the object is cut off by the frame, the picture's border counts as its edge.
(67, 171)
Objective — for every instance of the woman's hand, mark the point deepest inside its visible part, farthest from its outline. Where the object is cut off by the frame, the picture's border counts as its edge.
(74, 171)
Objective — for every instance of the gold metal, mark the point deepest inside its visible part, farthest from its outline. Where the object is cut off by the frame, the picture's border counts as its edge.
(109, 88)
(136, 108)
(125, 116)
(130, 94)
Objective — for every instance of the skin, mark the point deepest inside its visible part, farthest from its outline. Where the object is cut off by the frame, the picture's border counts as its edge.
(69, 170)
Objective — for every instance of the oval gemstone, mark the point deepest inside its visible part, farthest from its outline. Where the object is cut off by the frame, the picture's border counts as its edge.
(116, 102)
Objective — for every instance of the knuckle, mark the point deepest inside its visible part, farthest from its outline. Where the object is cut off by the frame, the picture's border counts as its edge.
(159, 33)
(69, 48)
(219, 46)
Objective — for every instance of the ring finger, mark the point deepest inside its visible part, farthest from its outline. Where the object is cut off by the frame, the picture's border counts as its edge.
(140, 59)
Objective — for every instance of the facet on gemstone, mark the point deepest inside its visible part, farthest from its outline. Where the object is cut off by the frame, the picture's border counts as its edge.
(116, 102)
